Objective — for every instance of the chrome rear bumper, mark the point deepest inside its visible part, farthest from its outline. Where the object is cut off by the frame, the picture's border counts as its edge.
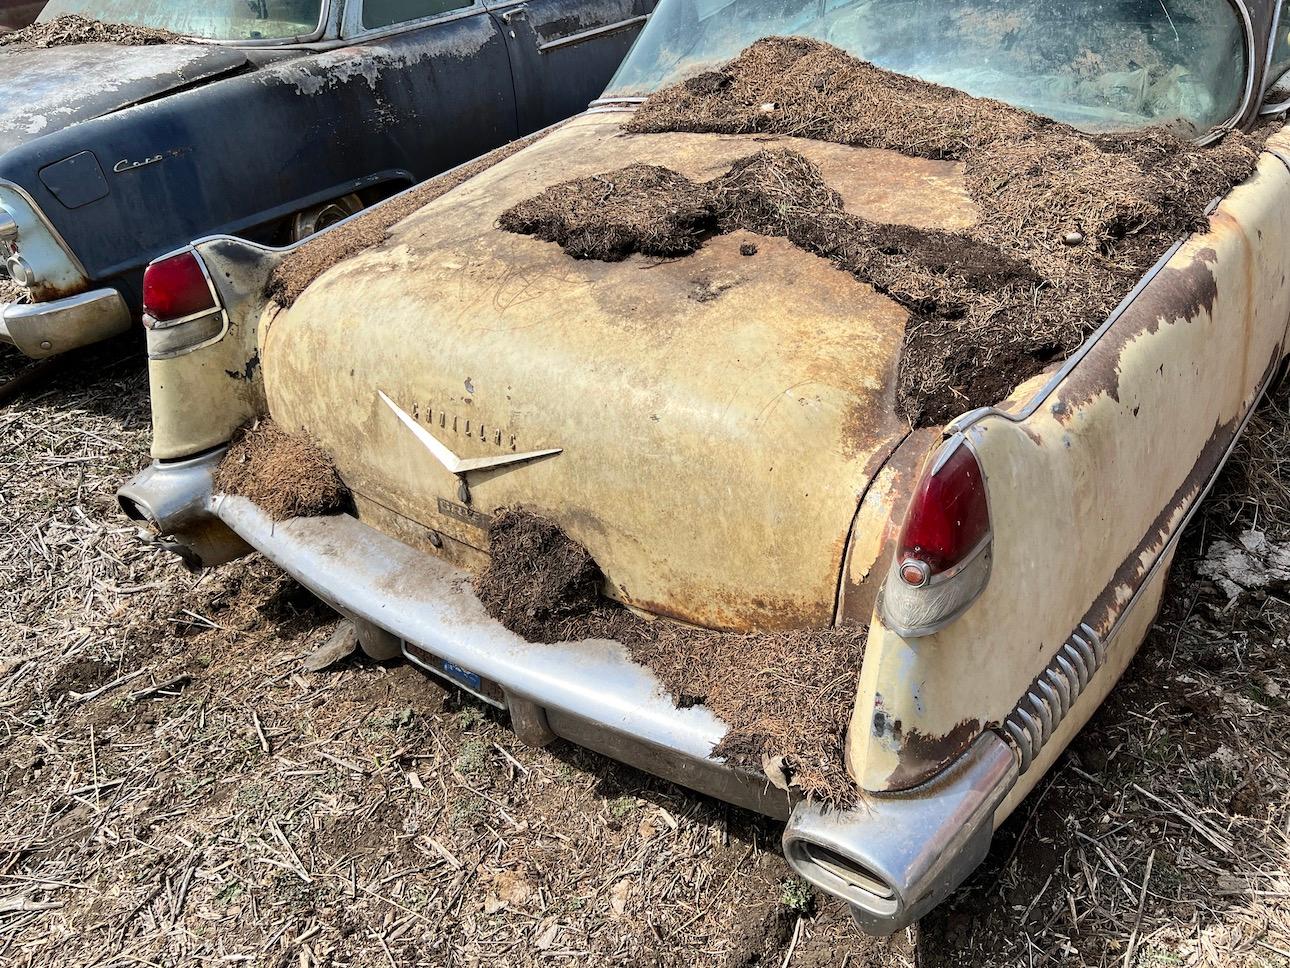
(44, 329)
(891, 858)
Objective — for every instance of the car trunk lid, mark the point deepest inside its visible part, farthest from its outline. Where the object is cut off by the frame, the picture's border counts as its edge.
(714, 418)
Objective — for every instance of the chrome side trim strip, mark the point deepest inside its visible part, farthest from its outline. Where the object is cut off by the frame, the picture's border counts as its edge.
(602, 102)
(579, 37)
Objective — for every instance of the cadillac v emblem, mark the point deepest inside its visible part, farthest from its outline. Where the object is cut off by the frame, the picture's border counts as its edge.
(453, 463)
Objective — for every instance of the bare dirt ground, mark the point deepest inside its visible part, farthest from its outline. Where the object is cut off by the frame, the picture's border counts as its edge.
(175, 789)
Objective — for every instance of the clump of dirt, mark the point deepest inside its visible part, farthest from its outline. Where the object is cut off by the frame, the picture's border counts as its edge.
(80, 675)
(784, 695)
(937, 275)
(640, 208)
(537, 576)
(807, 88)
(287, 475)
(298, 270)
(70, 29)
(1068, 221)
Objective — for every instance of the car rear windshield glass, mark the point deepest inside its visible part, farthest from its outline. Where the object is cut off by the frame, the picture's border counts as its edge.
(210, 19)
(1098, 64)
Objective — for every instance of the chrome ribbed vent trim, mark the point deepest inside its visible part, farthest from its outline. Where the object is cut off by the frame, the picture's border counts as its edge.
(1054, 691)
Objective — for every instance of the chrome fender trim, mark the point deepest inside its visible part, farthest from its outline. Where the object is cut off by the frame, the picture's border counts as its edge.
(894, 858)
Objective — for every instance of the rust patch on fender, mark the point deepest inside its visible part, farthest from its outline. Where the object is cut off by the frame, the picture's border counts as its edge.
(1176, 293)
(1107, 606)
(921, 757)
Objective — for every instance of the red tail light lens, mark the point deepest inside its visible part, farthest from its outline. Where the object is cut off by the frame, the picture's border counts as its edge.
(176, 287)
(948, 518)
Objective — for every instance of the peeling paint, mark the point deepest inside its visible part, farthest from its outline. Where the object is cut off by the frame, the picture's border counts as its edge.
(46, 90)
(334, 68)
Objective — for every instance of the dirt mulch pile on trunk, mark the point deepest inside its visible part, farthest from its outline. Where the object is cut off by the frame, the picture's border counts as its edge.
(71, 29)
(783, 694)
(299, 269)
(287, 475)
(537, 576)
(1068, 221)
(640, 208)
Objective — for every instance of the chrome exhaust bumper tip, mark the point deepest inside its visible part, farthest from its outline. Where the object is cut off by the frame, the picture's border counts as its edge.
(177, 500)
(894, 858)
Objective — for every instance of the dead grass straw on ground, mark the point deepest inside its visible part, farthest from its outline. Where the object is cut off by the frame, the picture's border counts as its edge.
(287, 474)
(175, 789)
(11, 292)
(786, 696)
(1068, 221)
(70, 28)
(306, 263)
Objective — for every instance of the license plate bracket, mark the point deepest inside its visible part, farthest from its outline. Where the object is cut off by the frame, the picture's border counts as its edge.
(458, 676)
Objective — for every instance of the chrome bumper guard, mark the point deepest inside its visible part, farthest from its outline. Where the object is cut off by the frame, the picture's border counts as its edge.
(892, 858)
(44, 329)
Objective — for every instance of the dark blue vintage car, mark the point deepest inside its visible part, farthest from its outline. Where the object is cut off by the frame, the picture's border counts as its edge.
(273, 119)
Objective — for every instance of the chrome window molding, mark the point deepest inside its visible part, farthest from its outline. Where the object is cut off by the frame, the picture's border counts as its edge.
(603, 29)
(1251, 72)
(325, 21)
(609, 102)
(1268, 79)
(352, 29)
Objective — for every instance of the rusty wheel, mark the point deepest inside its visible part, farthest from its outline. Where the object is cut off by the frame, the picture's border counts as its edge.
(318, 217)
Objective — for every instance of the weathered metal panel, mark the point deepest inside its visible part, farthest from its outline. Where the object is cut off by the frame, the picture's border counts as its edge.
(1087, 491)
(235, 155)
(718, 414)
(47, 90)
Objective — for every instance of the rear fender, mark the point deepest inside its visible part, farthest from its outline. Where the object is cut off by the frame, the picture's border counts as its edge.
(1090, 481)
(202, 395)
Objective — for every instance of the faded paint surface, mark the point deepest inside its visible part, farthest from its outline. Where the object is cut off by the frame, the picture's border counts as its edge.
(706, 406)
(47, 89)
(334, 68)
(200, 398)
(1087, 491)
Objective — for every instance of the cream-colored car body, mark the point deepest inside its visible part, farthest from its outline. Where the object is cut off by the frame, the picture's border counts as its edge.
(735, 461)
(1090, 475)
(720, 432)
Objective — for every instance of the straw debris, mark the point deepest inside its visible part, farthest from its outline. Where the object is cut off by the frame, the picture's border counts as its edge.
(287, 475)
(71, 29)
(783, 694)
(1069, 221)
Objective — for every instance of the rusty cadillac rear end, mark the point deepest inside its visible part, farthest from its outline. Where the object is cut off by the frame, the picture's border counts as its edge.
(720, 433)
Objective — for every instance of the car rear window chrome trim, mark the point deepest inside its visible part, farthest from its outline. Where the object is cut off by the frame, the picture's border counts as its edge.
(317, 34)
(352, 30)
